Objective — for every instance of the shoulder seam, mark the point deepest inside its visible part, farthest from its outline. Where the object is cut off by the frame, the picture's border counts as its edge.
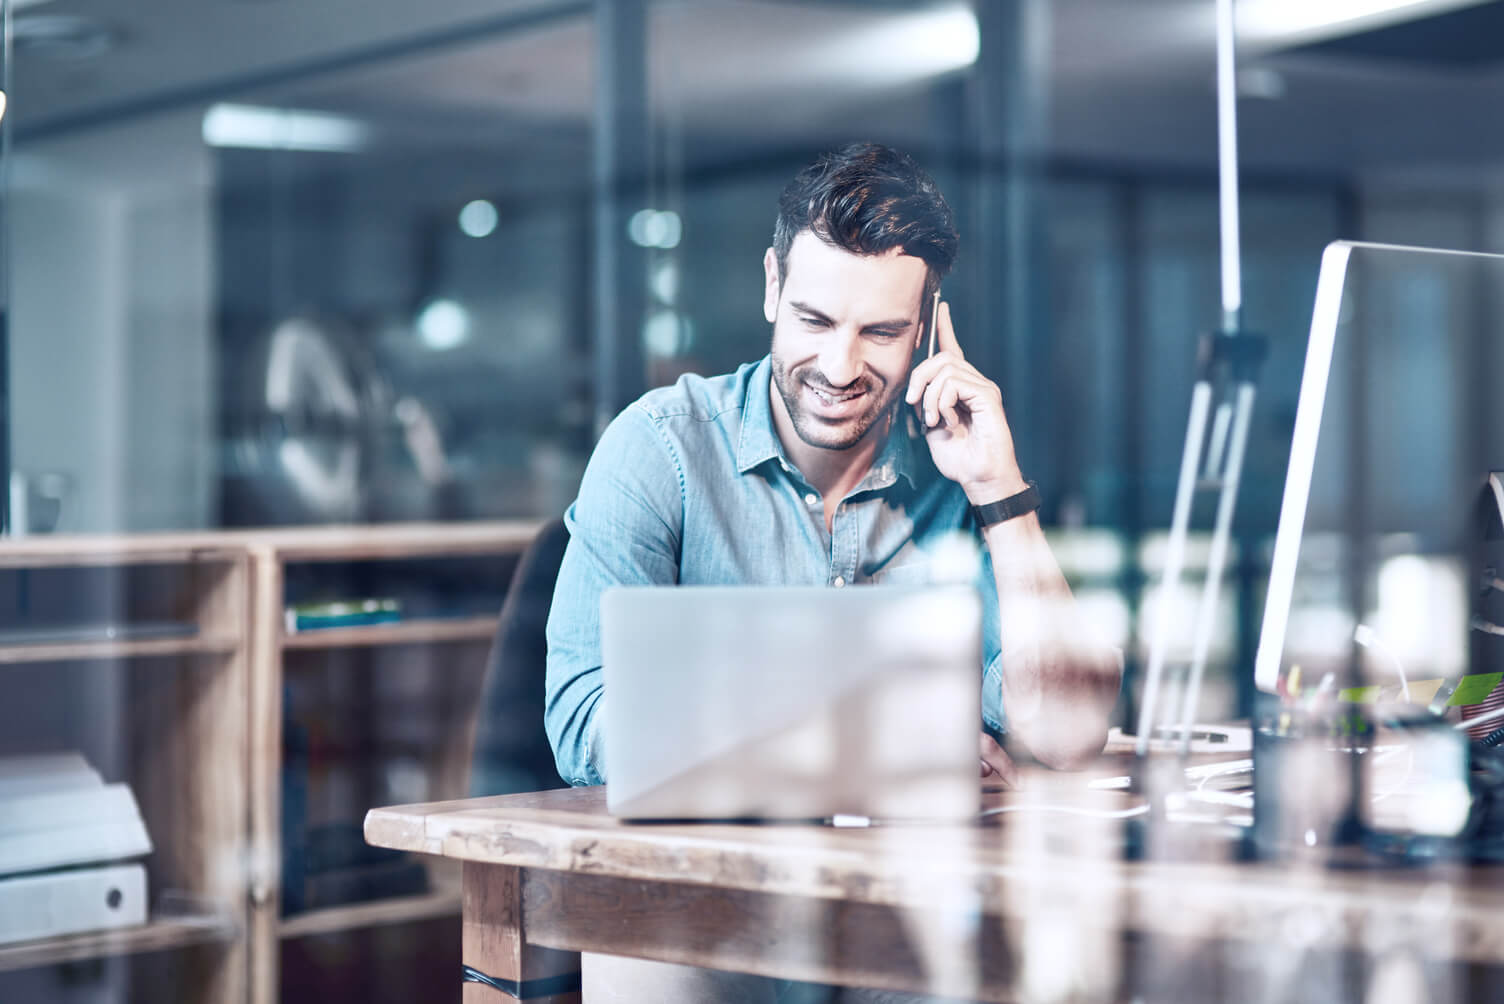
(668, 444)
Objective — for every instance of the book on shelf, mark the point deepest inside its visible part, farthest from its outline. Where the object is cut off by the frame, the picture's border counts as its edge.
(344, 613)
(65, 839)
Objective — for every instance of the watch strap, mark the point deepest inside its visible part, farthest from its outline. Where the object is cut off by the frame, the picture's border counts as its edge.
(990, 513)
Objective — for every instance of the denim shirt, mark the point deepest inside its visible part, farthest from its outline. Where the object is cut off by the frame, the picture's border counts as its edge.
(690, 485)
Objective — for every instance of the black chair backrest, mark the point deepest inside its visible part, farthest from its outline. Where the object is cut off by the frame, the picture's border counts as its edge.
(511, 751)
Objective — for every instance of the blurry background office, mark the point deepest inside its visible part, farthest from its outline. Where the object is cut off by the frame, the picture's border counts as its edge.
(284, 263)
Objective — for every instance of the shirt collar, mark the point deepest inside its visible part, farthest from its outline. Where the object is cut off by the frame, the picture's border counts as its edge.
(759, 441)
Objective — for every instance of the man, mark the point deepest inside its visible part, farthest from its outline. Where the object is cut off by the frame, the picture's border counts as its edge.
(836, 459)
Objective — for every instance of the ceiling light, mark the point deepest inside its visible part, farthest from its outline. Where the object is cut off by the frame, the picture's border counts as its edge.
(655, 228)
(254, 127)
(443, 324)
(912, 46)
(2, 106)
(1287, 19)
(479, 218)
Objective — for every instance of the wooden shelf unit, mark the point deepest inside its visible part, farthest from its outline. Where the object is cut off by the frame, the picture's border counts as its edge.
(462, 644)
(204, 714)
(183, 729)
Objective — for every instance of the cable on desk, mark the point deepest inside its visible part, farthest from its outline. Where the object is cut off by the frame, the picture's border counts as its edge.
(1069, 810)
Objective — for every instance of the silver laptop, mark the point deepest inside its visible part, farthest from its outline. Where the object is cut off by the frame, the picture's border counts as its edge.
(737, 702)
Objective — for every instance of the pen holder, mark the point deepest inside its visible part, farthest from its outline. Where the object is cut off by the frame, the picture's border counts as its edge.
(1307, 780)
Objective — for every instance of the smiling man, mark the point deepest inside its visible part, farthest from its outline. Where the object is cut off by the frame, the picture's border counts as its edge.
(806, 467)
(841, 459)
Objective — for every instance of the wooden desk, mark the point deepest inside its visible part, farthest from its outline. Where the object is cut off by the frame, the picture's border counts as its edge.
(992, 912)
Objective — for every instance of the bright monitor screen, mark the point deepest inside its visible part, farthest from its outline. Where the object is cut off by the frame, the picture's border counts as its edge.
(1379, 576)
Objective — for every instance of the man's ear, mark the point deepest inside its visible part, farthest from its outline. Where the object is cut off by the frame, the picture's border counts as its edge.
(771, 286)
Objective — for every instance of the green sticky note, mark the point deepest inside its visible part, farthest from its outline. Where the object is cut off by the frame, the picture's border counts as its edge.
(1473, 689)
(1359, 695)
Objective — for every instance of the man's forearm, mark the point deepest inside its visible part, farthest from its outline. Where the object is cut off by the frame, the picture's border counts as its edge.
(1059, 682)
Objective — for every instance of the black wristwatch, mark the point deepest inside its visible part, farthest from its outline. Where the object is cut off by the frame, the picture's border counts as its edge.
(1025, 501)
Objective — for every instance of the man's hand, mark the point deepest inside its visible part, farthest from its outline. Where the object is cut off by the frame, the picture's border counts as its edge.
(997, 766)
(964, 423)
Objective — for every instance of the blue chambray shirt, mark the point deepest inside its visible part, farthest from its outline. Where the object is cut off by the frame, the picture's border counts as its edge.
(690, 485)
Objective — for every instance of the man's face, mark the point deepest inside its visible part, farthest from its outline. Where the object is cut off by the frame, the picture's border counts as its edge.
(845, 327)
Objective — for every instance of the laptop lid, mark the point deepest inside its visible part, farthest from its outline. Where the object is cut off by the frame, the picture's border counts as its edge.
(791, 702)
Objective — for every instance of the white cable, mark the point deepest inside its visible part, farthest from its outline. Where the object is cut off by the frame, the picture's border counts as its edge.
(1236, 767)
(1369, 638)
(1069, 810)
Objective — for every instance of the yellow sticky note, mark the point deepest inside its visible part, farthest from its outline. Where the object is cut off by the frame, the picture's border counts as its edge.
(1421, 691)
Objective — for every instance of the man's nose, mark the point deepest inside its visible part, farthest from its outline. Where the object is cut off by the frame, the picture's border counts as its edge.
(841, 362)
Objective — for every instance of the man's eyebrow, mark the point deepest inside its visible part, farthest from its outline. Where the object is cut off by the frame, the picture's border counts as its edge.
(897, 324)
(805, 308)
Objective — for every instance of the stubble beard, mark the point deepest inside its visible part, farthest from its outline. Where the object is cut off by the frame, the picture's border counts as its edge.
(825, 435)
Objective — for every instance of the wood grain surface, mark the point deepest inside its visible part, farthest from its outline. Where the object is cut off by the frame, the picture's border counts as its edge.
(1009, 871)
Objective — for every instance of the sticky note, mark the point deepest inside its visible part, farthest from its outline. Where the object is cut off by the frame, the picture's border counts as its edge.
(1473, 689)
(1421, 691)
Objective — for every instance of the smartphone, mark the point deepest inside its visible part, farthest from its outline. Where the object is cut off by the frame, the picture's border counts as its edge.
(934, 322)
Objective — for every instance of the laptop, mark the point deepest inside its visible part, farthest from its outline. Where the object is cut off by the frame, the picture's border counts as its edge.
(754, 702)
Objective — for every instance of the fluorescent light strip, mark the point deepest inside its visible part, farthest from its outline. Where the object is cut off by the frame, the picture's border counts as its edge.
(1285, 18)
(1292, 513)
(254, 127)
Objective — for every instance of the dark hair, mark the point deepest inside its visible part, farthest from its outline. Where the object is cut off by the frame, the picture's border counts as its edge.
(868, 199)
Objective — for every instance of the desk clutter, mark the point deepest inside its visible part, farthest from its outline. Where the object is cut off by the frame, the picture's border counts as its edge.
(69, 849)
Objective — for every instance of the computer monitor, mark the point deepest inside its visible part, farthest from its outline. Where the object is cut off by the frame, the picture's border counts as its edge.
(1380, 575)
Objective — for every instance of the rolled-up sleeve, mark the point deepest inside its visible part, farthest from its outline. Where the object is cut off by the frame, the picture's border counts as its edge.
(624, 529)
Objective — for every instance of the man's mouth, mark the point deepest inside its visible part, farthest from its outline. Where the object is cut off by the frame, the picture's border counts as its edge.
(836, 403)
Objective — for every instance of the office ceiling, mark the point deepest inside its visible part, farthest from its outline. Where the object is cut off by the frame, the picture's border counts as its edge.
(1129, 80)
(1457, 41)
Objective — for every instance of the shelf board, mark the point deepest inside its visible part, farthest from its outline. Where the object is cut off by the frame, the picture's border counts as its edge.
(412, 632)
(368, 541)
(176, 931)
(395, 541)
(82, 651)
(372, 914)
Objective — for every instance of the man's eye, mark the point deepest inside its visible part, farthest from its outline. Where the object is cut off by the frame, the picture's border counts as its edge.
(813, 322)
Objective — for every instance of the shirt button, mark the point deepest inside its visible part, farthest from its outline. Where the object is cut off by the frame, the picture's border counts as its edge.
(811, 498)
(839, 582)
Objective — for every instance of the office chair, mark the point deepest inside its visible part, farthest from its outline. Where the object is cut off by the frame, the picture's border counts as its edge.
(511, 751)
